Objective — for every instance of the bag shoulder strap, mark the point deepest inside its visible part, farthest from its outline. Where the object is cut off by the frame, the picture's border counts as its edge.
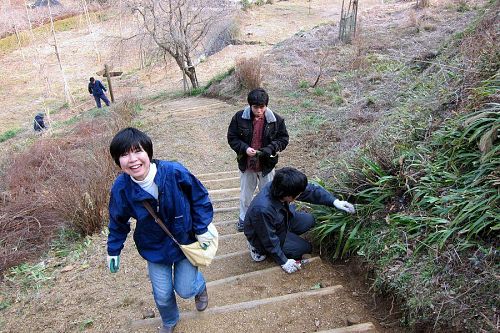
(159, 221)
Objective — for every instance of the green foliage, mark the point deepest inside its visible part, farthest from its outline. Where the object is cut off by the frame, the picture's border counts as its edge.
(196, 91)
(303, 84)
(218, 78)
(376, 188)
(451, 183)
(456, 197)
(313, 120)
(158, 96)
(9, 134)
(246, 4)
(319, 91)
(4, 304)
(69, 243)
(28, 276)
(307, 104)
(97, 112)
(87, 323)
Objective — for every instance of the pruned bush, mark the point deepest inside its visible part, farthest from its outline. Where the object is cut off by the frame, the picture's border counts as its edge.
(25, 227)
(423, 3)
(81, 187)
(248, 72)
(57, 182)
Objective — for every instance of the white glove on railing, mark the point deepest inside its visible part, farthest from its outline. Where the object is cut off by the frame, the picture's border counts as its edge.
(345, 206)
(207, 237)
(290, 266)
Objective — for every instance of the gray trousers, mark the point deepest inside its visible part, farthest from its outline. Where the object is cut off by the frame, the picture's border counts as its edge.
(248, 183)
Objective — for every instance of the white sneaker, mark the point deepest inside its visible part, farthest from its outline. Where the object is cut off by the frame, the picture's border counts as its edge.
(256, 256)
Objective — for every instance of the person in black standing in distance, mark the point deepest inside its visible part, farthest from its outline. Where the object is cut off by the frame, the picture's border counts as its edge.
(97, 89)
(256, 134)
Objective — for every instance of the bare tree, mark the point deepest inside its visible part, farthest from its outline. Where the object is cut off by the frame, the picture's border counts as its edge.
(16, 30)
(91, 29)
(67, 91)
(179, 27)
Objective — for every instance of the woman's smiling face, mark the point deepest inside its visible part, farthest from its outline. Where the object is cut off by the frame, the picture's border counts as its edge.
(135, 163)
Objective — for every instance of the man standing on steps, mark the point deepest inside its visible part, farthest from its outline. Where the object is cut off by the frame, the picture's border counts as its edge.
(256, 134)
(97, 89)
(272, 225)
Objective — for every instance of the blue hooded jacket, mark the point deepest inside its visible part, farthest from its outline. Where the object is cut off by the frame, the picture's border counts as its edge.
(96, 89)
(183, 205)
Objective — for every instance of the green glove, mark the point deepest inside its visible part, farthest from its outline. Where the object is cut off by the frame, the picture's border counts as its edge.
(113, 263)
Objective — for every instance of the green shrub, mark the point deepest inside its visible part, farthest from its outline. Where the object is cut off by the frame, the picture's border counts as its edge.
(9, 134)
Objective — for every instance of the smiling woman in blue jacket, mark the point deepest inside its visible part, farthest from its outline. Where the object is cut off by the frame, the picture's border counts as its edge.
(181, 202)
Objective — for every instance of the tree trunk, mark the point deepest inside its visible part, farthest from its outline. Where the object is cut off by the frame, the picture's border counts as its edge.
(91, 30)
(191, 74)
(38, 62)
(67, 92)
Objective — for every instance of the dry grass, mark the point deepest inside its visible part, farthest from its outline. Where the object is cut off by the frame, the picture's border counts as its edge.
(248, 72)
(59, 181)
(423, 3)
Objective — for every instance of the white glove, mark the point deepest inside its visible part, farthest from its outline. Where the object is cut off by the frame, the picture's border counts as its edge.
(290, 266)
(207, 237)
(113, 263)
(344, 205)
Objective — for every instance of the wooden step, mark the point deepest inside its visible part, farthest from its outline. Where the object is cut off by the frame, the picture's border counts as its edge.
(269, 282)
(226, 227)
(224, 191)
(230, 264)
(305, 311)
(216, 181)
(216, 175)
(224, 200)
(218, 184)
(226, 209)
(232, 243)
(359, 328)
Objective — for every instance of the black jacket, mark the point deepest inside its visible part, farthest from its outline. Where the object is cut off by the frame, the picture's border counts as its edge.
(267, 219)
(96, 89)
(274, 140)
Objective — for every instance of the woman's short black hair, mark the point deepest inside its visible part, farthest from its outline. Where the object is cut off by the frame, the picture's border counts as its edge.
(288, 182)
(258, 97)
(127, 139)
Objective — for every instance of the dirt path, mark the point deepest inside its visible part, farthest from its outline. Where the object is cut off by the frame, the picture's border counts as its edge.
(245, 296)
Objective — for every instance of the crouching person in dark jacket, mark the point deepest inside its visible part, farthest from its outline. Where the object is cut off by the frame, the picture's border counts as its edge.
(181, 202)
(272, 226)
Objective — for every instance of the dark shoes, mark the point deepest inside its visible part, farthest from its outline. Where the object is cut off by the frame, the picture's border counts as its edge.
(166, 329)
(239, 225)
(201, 300)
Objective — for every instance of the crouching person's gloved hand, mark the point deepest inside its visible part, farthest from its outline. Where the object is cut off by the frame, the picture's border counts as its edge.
(290, 266)
(113, 263)
(345, 206)
(207, 237)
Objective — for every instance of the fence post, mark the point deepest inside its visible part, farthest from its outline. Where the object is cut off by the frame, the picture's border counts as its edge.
(106, 73)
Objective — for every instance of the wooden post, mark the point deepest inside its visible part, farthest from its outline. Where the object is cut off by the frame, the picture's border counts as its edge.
(106, 73)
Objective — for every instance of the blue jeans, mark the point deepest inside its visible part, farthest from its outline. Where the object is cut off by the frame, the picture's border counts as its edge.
(187, 282)
(98, 100)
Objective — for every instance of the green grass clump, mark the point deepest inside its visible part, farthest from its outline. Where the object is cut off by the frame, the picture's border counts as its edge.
(443, 191)
(9, 134)
(456, 197)
(216, 79)
(28, 276)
